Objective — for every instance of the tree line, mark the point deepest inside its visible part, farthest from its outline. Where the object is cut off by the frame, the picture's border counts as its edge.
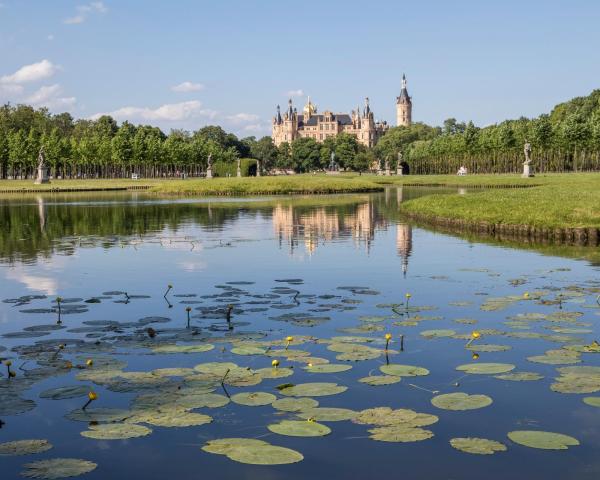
(567, 139)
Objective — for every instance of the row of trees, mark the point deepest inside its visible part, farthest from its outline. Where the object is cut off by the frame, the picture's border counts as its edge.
(567, 139)
(102, 149)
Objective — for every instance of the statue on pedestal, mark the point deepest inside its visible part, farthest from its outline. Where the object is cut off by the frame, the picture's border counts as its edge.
(239, 168)
(42, 171)
(209, 166)
(387, 167)
(526, 164)
(258, 168)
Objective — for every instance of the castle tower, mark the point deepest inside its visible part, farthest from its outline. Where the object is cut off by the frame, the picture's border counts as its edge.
(403, 106)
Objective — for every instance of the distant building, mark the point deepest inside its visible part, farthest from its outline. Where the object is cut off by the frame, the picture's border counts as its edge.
(291, 125)
(403, 106)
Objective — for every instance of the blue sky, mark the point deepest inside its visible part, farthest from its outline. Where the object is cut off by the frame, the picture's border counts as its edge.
(185, 64)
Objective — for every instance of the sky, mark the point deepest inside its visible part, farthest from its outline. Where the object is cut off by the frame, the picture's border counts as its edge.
(190, 63)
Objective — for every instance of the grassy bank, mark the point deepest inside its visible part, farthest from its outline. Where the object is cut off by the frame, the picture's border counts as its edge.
(15, 186)
(567, 201)
(296, 184)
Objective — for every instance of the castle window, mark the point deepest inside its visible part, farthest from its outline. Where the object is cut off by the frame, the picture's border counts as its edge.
(320, 136)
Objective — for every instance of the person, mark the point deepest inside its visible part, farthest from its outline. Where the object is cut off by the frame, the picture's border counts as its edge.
(462, 170)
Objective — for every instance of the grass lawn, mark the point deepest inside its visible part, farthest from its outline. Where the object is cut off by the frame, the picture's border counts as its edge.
(293, 184)
(66, 185)
(559, 201)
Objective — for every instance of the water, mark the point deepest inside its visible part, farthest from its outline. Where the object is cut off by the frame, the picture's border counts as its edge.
(80, 245)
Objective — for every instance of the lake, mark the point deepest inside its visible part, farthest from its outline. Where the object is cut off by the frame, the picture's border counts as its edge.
(333, 272)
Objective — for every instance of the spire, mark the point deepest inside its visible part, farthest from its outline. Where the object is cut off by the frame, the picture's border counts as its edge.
(404, 96)
(278, 116)
(290, 109)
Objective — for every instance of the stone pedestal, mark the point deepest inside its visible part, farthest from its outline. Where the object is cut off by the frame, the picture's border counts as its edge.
(209, 172)
(239, 172)
(399, 171)
(42, 176)
(527, 171)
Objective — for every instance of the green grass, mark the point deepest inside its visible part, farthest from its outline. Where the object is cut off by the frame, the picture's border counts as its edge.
(294, 184)
(559, 201)
(66, 185)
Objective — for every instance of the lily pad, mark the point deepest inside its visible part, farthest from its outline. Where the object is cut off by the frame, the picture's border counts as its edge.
(378, 380)
(314, 389)
(327, 414)
(486, 368)
(300, 428)
(183, 348)
(479, 446)
(403, 370)
(98, 415)
(592, 401)
(294, 404)
(438, 333)
(62, 393)
(400, 433)
(58, 468)
(264, 455)
(543, 440)
(116, 431)
(253, 399)
(520, 376)
(24, 447)
(460, 401)
(327, 368)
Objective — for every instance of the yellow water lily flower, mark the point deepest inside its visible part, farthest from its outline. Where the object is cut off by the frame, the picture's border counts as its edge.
(275, 363)
(92, 396)
(89, 362)
(526, 295)
(475, 356)
(475, 335)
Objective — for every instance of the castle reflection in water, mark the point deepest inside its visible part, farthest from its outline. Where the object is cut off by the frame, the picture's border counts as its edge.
(311, 227)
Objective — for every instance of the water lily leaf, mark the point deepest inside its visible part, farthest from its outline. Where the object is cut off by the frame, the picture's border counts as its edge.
(557, 357)
(385, 416)
(327, 414)
(479, 446)
(294, 404)
(299, 428)
(172, 372)
(398, 370)
(264, 455)
(98, 415)
(486, 368)
(377, 380)
(253, 399)
(488, 347)
(439, 333)
(520, 376)
(24, 447)
(183, 348)
(460, 401)
(222, 446)
(279, 372)
(400, 433)
(543, 440)
(327, 368)
(314, 389)
(248, 350)
(592, 401)
(178, 418)
(116, 431)
(58, 468)
(61, 393)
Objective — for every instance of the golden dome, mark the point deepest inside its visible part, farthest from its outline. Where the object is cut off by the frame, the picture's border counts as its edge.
(309, 108)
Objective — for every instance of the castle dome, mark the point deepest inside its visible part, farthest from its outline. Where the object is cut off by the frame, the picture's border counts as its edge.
(309, 109)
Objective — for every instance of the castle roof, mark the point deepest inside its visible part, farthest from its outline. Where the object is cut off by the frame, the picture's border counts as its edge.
(404, 97)
(341, 118)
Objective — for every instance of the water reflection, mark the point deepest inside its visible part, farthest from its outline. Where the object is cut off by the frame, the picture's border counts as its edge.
(38, 227)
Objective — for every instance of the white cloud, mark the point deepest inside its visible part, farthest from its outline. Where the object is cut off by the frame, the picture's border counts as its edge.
(171, 112)
(243, 118)
(31, 73)
(255, 127)
(295, 93)
(188, 87)
(84, 11)
(49, 96)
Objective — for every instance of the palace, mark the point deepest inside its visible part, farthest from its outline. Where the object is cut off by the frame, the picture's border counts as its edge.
(292, 125)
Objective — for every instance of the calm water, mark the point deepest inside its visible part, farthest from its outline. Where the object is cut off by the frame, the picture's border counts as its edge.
(85, 246)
